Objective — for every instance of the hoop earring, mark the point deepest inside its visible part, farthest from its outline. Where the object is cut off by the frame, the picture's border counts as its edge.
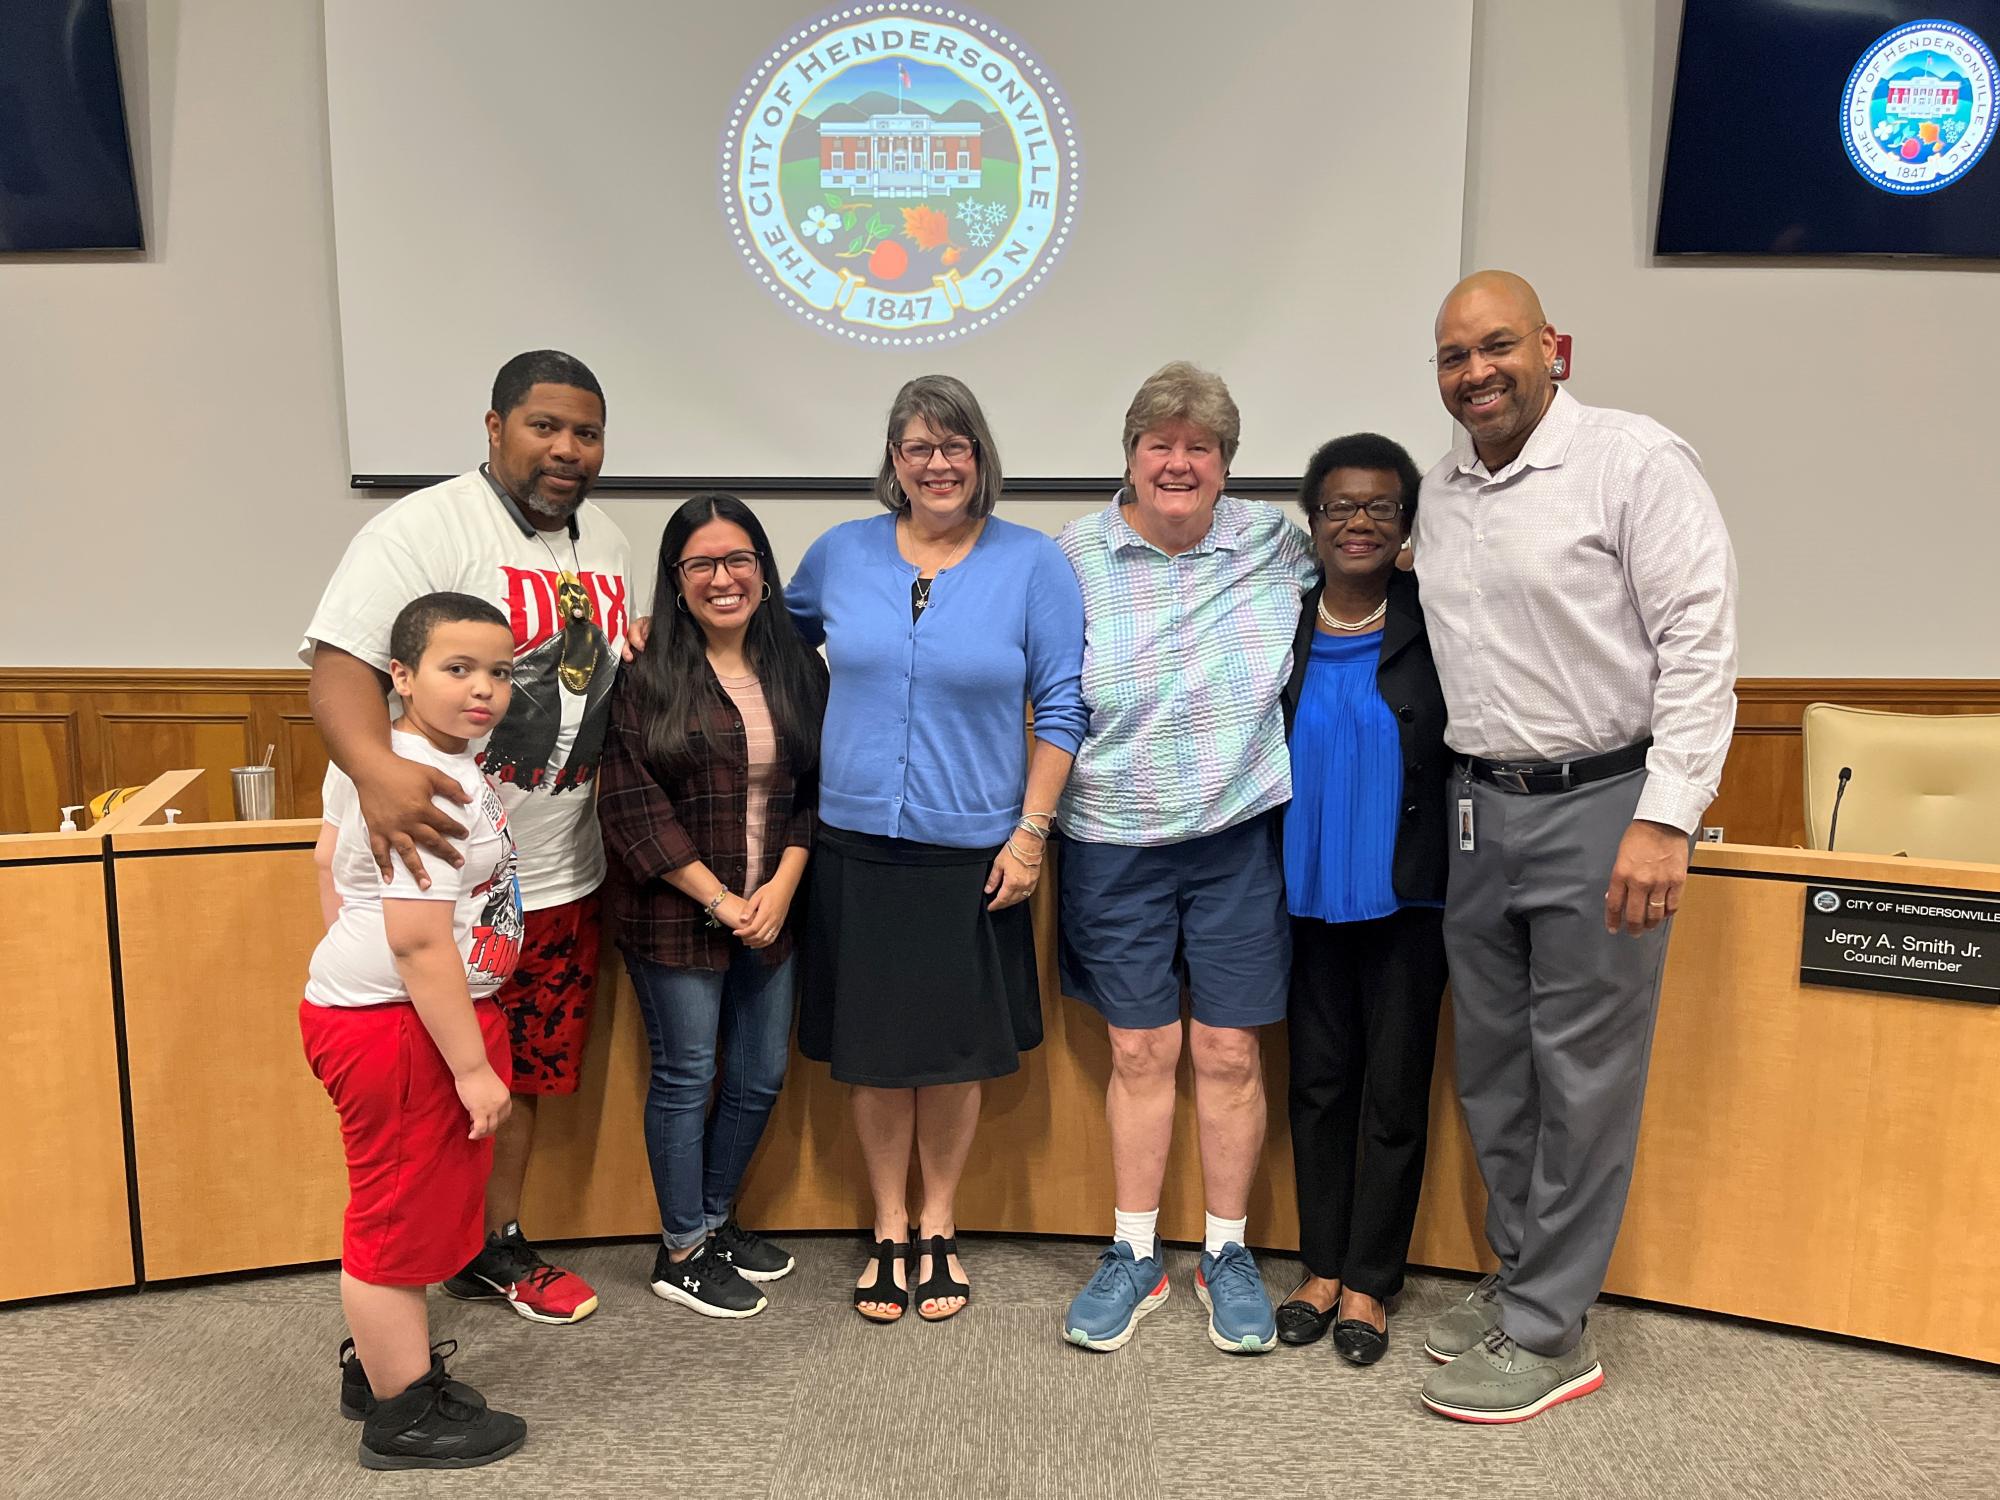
(767, 595)
(681, 602)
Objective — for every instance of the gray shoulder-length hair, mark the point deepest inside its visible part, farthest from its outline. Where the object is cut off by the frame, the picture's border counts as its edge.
(949, 409)
(1182, 392)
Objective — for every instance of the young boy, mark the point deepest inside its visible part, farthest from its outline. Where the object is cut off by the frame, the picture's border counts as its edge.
(400, 1027)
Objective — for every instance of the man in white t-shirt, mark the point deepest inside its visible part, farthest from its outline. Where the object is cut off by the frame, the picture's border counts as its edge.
(519, 532)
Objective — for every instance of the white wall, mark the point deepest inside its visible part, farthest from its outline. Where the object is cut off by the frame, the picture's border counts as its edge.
(1857, 481)
(174, 469)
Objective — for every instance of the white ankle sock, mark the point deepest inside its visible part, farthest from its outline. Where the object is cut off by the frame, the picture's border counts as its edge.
(1221, 1232)
(1137, 1230)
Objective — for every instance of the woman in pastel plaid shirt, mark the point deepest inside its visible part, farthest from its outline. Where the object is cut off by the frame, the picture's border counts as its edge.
(1170, 861)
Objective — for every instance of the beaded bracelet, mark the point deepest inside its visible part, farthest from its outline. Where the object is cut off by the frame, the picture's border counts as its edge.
(714, 903)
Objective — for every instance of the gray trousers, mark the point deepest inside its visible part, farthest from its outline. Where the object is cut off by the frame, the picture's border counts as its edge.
(1554, 1020)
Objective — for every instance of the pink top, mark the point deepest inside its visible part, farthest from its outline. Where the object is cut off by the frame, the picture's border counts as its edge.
(762, 742)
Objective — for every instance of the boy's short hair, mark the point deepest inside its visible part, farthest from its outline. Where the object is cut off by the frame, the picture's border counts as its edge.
(411, 633)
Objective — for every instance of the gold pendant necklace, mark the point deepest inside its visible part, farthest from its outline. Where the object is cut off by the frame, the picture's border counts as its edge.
(573, 601)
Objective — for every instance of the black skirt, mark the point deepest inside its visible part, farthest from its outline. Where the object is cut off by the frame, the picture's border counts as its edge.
(907, 979)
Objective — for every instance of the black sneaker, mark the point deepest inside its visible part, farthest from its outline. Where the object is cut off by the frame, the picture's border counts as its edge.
(438, 1423)
(707, 1283)
(357, 1398)
(512, 1270)
(755, 1258)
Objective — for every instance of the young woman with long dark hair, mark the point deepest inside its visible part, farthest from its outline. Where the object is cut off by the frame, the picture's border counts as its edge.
(706, 796)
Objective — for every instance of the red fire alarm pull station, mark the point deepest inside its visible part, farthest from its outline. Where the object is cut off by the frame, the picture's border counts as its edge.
(1561, 368)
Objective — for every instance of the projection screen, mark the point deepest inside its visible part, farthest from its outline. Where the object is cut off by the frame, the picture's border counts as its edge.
(755, 221)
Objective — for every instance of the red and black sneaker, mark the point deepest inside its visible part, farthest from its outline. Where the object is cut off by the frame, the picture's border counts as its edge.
(511, 1269)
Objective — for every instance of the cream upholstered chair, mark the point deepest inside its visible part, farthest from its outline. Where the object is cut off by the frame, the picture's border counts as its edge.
(1926, 785)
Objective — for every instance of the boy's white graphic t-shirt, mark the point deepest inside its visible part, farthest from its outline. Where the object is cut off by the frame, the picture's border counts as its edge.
(352, 964)
(463, 536)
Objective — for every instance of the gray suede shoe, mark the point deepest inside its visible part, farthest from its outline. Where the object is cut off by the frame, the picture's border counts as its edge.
(1464, 1325)
(1499, 1381)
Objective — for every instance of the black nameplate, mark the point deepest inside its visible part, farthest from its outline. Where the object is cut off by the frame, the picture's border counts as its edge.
(1862, 937)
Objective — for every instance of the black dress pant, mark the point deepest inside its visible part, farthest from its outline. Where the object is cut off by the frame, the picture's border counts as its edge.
(1363, 1026)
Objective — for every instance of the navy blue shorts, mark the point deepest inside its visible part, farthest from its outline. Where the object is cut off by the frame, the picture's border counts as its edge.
(1212, 909)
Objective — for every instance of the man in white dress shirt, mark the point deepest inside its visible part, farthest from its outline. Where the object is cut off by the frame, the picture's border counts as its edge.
(1581, 596)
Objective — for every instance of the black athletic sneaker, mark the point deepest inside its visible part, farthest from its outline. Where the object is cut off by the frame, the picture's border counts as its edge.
(357, 1398)
(438, 1423)
(707, 1283)
(512, 1270)
(755, 1258)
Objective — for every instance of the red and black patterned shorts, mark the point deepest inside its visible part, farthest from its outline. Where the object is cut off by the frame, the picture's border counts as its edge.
(547, 1002)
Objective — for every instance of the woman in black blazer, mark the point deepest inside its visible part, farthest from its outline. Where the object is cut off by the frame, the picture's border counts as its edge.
(1364, 877)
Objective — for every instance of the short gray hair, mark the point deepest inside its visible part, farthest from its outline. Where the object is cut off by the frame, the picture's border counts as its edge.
(1182, 392)
(948, 408)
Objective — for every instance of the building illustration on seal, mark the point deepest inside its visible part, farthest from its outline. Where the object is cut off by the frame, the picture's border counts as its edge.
(1922, 98)
(899, 156)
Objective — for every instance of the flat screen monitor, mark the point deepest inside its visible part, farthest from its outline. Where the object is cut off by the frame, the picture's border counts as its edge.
(1807, 128)
(65, 162)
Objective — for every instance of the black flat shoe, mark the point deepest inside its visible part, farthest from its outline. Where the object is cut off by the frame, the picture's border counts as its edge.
(883, 1289)
(1302, 1323)
(940, 1283)
(1357, 1342)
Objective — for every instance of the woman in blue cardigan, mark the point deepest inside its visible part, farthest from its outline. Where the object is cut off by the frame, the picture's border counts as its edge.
(941, 622)
(1364, 877)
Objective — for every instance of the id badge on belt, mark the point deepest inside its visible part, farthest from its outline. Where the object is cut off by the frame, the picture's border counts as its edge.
(1466, 841)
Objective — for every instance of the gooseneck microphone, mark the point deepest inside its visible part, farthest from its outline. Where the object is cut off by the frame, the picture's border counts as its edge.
(1833, 823)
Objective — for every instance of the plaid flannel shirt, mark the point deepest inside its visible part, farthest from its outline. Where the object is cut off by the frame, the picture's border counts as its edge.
(656, 821)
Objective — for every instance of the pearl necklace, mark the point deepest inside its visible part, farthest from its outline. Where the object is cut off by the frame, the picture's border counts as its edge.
(1362, 624)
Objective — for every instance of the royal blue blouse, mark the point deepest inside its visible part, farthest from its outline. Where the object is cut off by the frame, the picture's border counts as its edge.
(1347, 787)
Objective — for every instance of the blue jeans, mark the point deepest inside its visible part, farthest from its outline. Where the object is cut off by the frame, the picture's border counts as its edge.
(699, 1154)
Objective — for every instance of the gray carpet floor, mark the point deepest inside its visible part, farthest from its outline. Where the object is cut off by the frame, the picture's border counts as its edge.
(228, 1389)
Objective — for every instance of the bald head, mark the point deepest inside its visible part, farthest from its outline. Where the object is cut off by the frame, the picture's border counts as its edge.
(1495, 351)
(1500, 291)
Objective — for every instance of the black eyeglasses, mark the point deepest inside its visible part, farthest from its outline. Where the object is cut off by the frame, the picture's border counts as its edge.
(917, 453)
(701, 569)
(1495, 349)
(1340, 512)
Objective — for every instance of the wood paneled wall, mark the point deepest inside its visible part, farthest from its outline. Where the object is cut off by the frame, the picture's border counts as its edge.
(68, 733)
(1763, 783)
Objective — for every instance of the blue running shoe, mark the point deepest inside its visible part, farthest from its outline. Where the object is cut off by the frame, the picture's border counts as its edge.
(1121, 1291)
(1239, 1309)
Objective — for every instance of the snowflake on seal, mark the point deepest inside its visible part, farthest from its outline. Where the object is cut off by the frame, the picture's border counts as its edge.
(983, 220)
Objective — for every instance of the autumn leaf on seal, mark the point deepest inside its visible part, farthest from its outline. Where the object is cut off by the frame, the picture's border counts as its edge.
(926, 227)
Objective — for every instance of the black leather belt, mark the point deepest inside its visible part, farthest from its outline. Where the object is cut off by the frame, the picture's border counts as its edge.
(1531, 777)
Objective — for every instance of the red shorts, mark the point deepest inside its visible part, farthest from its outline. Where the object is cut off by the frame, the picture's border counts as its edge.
(416, 1204)
(547, 1001)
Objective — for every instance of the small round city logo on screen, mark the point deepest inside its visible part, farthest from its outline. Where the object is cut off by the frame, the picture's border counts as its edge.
(1826, 901)
(900, 174)
(1918, 112)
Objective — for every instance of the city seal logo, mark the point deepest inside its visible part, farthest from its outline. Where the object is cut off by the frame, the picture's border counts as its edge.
(1826, 901)
(1918, 110)
(900, 174)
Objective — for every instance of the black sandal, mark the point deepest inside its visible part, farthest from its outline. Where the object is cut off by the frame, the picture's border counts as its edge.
(883, 1289)
(940, 1283)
